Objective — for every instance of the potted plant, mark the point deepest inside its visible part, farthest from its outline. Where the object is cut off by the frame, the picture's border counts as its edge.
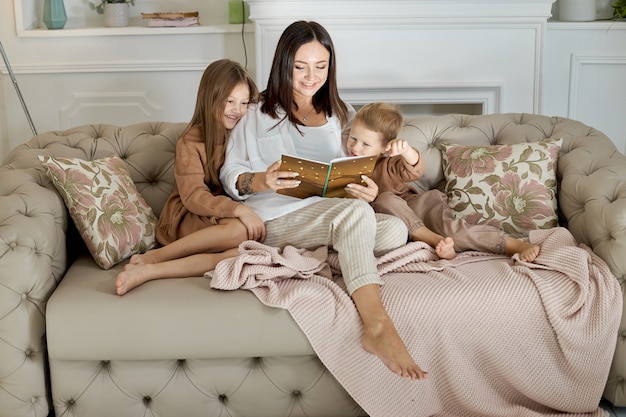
(619, 10)
(100, 7)
(115, 11)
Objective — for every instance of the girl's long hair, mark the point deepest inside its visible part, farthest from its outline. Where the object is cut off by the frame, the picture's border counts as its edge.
(217, 82)
(279, 91)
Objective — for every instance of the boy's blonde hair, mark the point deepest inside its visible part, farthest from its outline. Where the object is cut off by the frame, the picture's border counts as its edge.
(383, 118)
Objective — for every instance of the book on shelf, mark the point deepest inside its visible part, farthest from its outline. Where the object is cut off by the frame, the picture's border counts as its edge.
(326, 179)
(168, 15)
(171, 19)
(179, 22)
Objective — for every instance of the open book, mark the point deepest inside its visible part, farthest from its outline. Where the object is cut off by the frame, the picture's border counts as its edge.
(326, 179)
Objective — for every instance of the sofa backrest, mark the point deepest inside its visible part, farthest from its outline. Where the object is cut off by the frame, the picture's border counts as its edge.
(587, 159)
(147, 148)
(426, 133)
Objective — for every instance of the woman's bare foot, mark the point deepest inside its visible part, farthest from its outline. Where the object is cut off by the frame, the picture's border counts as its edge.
(445, 248)
(382, 340)
(132, 276)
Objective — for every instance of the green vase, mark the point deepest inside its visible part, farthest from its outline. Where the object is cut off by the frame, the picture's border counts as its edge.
(54, 16)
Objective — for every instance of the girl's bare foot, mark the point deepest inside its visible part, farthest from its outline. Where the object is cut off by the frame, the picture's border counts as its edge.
(142, 259)
(445, 248)
(382, 340)
(132, 276)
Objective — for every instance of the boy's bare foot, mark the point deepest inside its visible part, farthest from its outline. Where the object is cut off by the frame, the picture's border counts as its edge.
(529, 253)
(445, 248)
(382, 340)
(132, 276)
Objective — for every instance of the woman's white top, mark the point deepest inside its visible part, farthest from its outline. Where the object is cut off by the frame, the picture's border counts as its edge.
(258, 141)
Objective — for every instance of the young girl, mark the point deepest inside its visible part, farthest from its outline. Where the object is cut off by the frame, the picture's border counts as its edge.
(427, 216)
(200, 225)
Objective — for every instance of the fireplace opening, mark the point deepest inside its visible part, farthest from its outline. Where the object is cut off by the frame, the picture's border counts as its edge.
(420, 109)
(429, 99)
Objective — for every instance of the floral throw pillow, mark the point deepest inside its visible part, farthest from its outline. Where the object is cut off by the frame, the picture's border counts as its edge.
(108, 211)
(512, 187)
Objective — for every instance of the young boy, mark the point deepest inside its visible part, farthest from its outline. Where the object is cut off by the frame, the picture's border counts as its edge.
(428, 217)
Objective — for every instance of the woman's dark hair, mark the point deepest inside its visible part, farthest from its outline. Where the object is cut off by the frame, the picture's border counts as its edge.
(279, 91)
(217, 82)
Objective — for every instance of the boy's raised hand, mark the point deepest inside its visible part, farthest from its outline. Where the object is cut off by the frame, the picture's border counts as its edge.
(397, 147)
(402, 147)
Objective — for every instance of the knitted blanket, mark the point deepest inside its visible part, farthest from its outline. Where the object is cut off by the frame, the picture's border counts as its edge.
(499, 337)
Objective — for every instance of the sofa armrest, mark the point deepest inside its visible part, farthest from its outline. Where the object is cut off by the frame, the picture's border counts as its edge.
(33, 222)
(592, 198)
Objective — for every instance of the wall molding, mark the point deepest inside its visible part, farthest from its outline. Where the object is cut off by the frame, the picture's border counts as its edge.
(108, 67)
(399, 10)
(578, 61)
(127, 103)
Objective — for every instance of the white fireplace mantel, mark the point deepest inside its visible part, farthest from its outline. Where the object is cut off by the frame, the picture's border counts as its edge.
(491, 50)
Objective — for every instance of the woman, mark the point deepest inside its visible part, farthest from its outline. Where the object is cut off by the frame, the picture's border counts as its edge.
(302, 114)
(211, 223)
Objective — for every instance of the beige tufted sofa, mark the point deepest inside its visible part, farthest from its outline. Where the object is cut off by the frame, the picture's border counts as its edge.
(176, 347)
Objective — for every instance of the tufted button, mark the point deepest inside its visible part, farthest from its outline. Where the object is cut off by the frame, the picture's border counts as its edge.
(12, 245)
(33, 400)
(24, 296)
(223, 398)
(296, 393)
(71, 402)
(147, 400)
(28, 353)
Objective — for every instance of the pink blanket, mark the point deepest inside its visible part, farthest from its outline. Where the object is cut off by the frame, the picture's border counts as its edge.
(499, 337)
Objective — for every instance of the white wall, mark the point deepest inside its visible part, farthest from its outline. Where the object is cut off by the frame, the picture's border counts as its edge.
(585, 75)
(94, 75)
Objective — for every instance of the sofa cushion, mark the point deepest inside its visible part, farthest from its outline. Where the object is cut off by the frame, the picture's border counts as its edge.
(111, 216)
(512, 187)
(179, 318)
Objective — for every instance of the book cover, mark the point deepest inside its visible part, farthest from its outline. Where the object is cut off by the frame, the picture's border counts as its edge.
(326, 179)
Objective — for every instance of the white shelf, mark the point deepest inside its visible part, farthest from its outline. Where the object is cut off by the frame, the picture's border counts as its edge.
(594, 25)
(130, 30)
(82, 21)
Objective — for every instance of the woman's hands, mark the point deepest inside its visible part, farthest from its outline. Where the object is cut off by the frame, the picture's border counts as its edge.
(367, 192)
(275, 179)
(253, 223)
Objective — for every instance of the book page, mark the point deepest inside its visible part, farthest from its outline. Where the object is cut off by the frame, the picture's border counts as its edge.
(348, 170)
